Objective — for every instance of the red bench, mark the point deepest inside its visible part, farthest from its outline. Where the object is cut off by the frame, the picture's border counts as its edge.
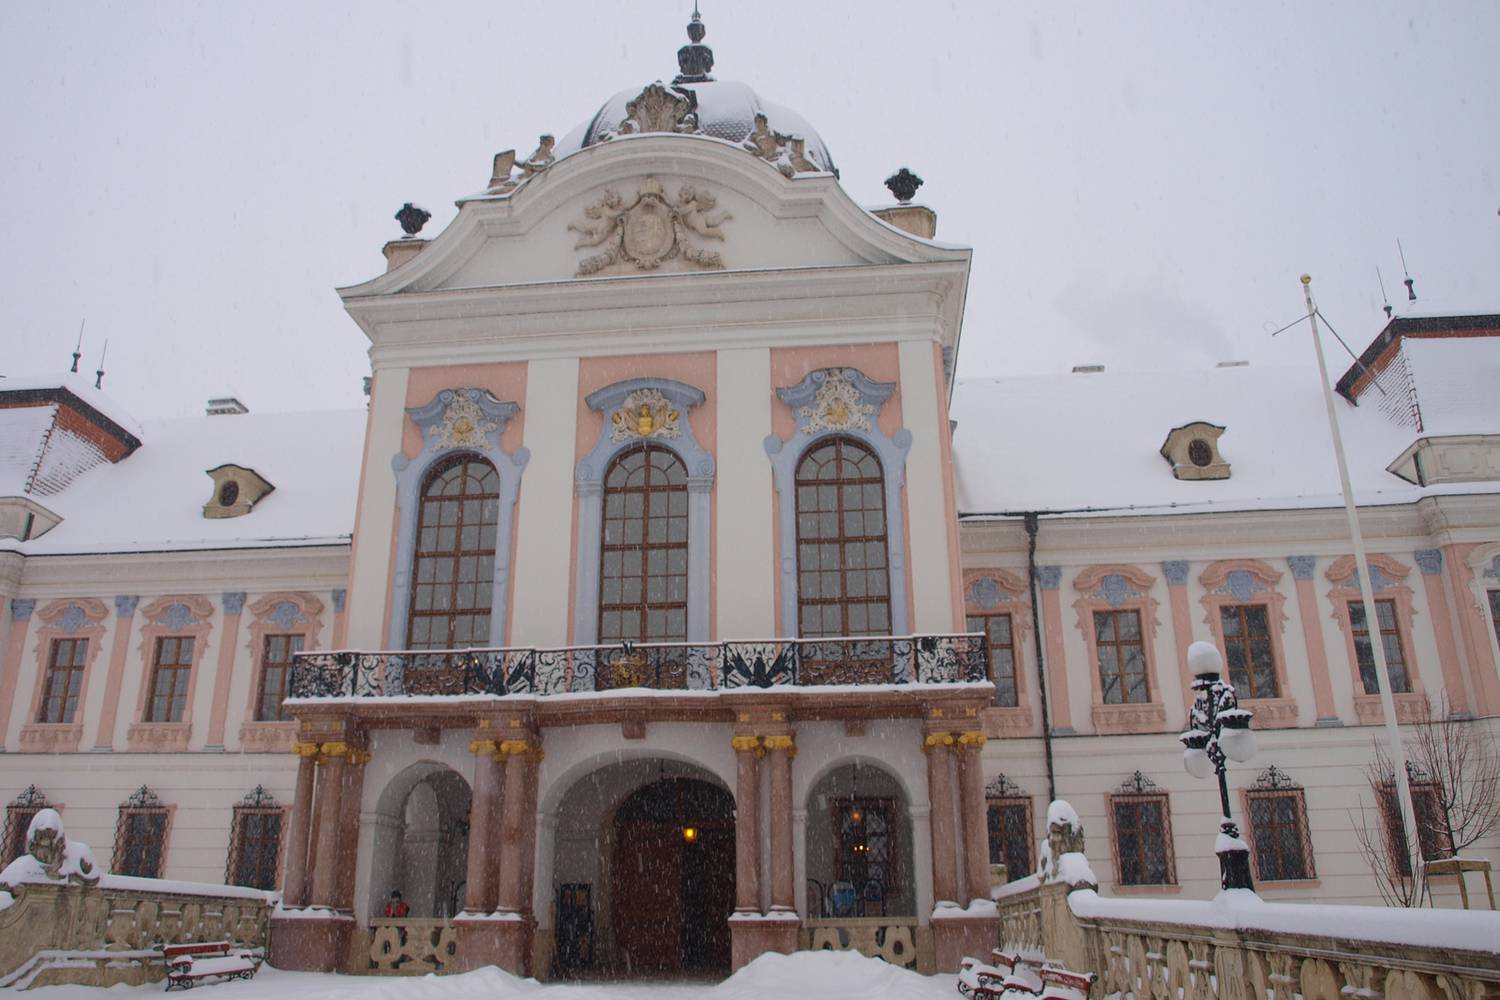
(189, 964)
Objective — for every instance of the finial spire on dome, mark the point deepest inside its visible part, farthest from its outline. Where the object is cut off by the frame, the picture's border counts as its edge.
(695, 60)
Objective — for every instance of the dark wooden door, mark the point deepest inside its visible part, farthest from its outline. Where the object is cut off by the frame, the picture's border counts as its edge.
(647, 904)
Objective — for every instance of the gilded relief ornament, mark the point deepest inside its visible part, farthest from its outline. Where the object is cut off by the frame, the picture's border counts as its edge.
(464, 425)
(645, 413)
(650, 229)
(787, 153)
(837, 406)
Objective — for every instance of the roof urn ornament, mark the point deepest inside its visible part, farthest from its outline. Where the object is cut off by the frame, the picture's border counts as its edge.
(412, 218)
(695, 61)
(903, 184)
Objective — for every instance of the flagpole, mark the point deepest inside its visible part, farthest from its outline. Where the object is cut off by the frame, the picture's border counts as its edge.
(1372, 618)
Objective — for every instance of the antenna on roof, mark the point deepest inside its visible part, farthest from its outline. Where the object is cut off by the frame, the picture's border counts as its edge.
(1411, 291)
(78, 347)
(99, 375)
(1387, 298)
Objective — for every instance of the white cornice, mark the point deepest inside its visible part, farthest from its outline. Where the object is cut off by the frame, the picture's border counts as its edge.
(209, 572)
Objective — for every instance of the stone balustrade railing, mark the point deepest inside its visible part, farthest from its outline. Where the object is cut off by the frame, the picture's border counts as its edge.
(112, 930)
(411, 945)
(1239, 947)
(894, 939)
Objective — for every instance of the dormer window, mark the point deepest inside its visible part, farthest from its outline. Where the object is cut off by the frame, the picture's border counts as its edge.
(236, 491)
(1193, 451)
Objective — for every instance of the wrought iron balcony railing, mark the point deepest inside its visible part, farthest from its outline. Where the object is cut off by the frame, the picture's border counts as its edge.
(923, 659)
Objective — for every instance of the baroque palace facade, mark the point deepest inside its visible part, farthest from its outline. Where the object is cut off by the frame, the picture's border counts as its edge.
(673, 602)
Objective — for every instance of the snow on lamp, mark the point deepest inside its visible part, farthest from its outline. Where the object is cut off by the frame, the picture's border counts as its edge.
(1218, 731)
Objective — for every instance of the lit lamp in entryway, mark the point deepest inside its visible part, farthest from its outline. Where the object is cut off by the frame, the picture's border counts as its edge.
(1218, 730)
(689, 834)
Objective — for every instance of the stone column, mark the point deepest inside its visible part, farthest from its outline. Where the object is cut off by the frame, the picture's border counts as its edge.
(300, 835)
(971, 811)
(513, 823)
(479, 893)
(325, 864)
(747, 824)
(234, 606)
(348, 847)
(528, 833)
(940, 794)
(780, 750)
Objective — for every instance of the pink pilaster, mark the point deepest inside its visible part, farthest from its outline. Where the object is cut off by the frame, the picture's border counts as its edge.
(234, 604)
(1430, 562)
(118, 651)
(1474, 630)
(1057, 664)
(10, 669)
(1182, 623)
(1312, 637)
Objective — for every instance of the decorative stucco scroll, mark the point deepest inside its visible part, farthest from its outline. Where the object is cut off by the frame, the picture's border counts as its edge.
(650, 229)
(657, 109)
(645, 413)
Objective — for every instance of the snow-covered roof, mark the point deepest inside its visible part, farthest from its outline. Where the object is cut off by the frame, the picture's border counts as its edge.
(80, 387)
(23, 435)
(153, 499)
(1090, 441)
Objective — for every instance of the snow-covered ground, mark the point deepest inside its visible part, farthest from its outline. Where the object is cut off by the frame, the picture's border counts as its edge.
(805, 975)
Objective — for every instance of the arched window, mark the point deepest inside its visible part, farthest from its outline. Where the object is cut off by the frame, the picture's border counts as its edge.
(644, 552)
(843, 580)
(453, 571)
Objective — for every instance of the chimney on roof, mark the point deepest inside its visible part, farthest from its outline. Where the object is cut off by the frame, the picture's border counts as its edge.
(1087, 369)
(1233, 364)
(226, 406)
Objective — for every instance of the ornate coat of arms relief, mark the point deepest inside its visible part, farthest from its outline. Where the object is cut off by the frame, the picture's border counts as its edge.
(464, 425)
(837, 406)
(650, 229)
(645, 413)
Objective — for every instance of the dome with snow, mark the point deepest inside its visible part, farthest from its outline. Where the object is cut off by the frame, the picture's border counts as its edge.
(724, 109)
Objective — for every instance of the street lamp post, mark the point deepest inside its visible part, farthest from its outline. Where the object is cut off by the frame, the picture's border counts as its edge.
(1218, 730)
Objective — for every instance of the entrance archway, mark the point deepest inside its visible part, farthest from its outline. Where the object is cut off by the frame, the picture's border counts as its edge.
(674, 878)
(421, 845)
(622, 860)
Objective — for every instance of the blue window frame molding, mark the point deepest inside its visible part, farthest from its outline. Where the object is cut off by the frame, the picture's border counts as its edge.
(642, 411)
(840, 402)
(457, 420)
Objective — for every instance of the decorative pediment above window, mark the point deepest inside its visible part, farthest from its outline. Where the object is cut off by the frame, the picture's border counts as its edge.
(462, 418)
(836, 399)
(1192, 451)
(236, 491)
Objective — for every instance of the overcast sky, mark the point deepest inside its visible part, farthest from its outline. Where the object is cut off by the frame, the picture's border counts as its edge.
(1142, 183)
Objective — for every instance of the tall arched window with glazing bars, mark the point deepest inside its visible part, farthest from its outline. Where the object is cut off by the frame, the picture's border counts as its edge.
(643, 593)
(453, 569)
(843, 575)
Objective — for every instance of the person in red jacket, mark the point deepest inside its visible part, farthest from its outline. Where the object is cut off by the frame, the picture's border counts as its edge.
(395, 907)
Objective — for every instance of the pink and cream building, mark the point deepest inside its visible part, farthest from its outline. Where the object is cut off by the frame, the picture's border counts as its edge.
(672, 601)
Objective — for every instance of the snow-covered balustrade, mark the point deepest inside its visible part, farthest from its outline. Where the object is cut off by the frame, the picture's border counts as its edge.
(411, 945)
(893, 939)
(62, 920)
(918, 659)
(1237, 946)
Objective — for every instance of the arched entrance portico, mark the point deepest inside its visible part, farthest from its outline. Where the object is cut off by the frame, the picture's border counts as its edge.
(421, 846)
(644, 872)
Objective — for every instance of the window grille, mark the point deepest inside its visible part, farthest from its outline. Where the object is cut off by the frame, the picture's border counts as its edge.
(1248, 652)
(141, 835)
(255, 841)
(644, 548)
(1002, 649)
(1390, 637)
(1122, 657)
(1141, 827)
(171, 671)
(1432, 825)
(453, 568)
(1008, 819)
(275, 673)
(18, 815)
(65, 664)
(1279, 835)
